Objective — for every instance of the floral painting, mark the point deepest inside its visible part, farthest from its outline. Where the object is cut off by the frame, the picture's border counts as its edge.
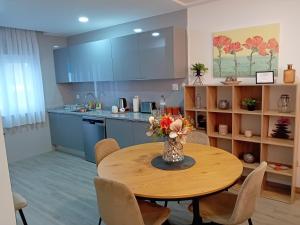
(243, 52)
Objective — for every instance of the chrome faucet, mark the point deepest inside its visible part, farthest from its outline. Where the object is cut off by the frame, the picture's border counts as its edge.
(93, 104)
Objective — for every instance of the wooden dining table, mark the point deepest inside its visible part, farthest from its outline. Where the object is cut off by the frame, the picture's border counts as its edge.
(214, 170)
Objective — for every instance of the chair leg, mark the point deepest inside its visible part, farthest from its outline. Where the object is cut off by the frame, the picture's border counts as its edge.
(100, 220)
(250, 221)
(166, 204)
(22, 217)
(166, 222)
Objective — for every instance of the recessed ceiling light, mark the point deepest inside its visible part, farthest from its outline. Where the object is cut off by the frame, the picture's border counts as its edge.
(137, 30)
(155, 34)
(83, 19)
(56, 46)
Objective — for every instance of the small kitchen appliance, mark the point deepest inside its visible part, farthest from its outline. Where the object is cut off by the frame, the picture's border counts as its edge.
(122, 103)
(148, 107)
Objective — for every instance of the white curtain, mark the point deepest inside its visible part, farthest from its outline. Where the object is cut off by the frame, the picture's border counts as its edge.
(21, 85)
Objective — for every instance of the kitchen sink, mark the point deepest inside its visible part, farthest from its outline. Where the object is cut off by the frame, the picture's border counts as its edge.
(82, 110)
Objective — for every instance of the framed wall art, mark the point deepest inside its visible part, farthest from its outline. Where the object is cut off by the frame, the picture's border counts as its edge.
(243, 52)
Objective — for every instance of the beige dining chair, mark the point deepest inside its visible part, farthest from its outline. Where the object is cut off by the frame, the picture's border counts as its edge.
(118, 205)
(19, 204)
(198, 137)
(104, 148)
(228, 208)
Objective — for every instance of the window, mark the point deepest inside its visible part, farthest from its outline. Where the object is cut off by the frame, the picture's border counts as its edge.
(21, 86)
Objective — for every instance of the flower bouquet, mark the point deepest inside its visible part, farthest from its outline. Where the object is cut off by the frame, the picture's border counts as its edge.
(175, 130)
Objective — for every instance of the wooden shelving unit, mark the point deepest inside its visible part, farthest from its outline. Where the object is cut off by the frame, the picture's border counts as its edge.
(278, 184)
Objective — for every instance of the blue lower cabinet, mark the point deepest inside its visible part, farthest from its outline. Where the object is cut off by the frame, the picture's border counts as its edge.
(128, 133)
(139, 133)
(121, 130)
(66, 131)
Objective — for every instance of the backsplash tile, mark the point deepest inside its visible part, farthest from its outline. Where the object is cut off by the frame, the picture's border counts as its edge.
(109, 92)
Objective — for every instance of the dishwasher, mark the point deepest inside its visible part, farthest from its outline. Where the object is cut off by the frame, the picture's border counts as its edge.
(93, 131)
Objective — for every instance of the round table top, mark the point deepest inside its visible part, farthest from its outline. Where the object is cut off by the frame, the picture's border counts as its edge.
(215, 170)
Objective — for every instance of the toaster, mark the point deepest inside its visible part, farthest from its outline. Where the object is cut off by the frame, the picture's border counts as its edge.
(147, 107)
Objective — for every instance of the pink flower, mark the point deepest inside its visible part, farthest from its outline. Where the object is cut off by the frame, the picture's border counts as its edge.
(256, 44)
(221, 41)
(233, 48)
(262, 49)
(273, 45)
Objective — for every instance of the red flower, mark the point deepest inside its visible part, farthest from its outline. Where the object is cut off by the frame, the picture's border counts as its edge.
(233, 48)
(262, 49)
(221, 41)
(165, 122)
(256, 44)
(283, 120)
(273, 45)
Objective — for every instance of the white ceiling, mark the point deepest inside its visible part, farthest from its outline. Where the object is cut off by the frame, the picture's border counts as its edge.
(60, 16)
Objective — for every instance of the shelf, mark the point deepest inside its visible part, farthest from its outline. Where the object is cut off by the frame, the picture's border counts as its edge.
(275, 192)
(288, 172)
(278, 142)
(220, 110)
(196, 110)
(275, 113)
(255, 139)
(251, 166)
(217, 135)
(261, 122)
(247, 112)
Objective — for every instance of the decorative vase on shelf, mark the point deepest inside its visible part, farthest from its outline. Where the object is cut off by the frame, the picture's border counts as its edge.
(289, 75)
(173, 151)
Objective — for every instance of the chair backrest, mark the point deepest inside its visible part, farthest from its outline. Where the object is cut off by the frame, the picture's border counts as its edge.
(104, 148)
(117, 204)
(198, 137)
(246, 200)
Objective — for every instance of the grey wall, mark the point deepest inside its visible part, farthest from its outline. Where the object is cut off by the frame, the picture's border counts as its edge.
(178, 19)
(26, 141)
(109, 92)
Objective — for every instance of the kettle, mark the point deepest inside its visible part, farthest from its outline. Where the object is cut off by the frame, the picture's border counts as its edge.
(122, 103)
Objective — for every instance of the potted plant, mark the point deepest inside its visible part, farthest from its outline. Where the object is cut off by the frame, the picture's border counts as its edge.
(199, 69)
(250, 103)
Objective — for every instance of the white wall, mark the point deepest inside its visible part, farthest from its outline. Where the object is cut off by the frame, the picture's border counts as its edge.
(26, 141)
(203, 20)
(7, 214)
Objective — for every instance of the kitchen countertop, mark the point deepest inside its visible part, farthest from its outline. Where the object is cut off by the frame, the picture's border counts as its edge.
(144, 117)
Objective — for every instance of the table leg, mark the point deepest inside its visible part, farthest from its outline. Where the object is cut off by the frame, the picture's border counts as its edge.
(197, 220)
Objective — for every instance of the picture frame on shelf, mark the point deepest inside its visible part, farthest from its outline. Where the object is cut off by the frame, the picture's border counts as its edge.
(265, 77)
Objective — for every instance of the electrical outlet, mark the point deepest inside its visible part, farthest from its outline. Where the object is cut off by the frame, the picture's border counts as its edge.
(175, 87)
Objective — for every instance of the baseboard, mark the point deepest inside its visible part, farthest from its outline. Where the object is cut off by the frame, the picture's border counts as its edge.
(70, 151)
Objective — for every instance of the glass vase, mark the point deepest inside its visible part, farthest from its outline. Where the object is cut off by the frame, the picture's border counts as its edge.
(173, 151)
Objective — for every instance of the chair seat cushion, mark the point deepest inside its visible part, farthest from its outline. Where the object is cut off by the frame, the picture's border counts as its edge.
(153, 214)
(19, 201)
(218, 207)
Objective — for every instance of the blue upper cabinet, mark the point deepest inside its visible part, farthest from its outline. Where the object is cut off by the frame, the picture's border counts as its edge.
(86, 62)
(158, 54)
(62, 65)
(94, 61)
(125, 54)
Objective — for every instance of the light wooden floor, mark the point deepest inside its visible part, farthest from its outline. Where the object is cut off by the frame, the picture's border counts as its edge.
(59, 189)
